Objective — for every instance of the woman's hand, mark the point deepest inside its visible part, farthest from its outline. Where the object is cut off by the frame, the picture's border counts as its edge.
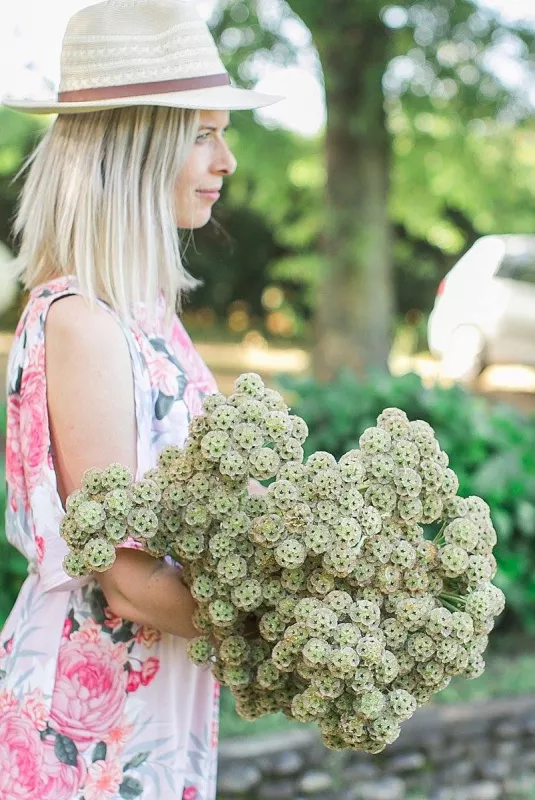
(149, 591)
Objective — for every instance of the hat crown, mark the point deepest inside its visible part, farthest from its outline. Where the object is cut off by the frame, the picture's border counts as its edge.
(130, 17)
(121, 42)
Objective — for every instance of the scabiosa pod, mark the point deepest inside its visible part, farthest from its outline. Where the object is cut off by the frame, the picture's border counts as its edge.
(324, 598)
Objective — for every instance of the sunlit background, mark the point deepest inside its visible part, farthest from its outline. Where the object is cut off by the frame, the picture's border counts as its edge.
(31, 34)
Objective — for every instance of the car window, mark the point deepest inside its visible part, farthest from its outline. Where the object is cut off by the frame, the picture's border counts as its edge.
(520, 267)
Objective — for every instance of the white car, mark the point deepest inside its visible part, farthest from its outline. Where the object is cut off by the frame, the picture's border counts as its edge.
(484, 310)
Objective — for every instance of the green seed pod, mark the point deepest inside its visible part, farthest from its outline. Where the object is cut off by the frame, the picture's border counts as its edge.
(250, 383)
(116, 529)
(277, 426)
(290, 553)
(200, 650)
(215, 444)
(75, 566)
(213, 401)
(247, 596)
(374, 441)
(224, 418)
(143, 522)
(116, 476)
(99, 554)
(90, 516)
(92, 481)
(233, 465)
(75, 499)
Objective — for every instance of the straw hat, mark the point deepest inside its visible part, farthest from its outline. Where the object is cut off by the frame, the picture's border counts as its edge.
(141, 52)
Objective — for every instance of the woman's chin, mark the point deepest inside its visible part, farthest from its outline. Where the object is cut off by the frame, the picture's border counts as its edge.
(199, 221)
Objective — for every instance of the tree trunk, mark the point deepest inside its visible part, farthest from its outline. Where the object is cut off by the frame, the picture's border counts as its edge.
(353, 319)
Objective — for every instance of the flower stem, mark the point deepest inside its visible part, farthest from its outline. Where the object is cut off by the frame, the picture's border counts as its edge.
(453, 597)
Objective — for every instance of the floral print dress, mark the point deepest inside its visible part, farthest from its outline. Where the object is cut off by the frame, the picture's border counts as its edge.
(93, 707)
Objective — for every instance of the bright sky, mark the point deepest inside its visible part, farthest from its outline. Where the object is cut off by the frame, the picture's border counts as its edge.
(32, 30)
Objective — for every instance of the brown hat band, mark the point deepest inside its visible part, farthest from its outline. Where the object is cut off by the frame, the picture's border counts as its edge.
(138, 89)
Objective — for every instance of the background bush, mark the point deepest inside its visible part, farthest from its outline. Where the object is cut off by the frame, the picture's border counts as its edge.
(491, 448)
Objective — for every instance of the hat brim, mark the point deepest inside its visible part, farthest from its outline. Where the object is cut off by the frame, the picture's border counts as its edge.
(215, 98)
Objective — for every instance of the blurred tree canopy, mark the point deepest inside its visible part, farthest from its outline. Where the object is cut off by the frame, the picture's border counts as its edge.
(423, 141)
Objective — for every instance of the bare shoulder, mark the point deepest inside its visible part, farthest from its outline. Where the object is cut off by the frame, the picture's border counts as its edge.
(90, 390)
(91, 337)
(72, 315)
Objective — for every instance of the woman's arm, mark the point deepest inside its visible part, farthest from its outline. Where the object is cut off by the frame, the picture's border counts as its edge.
(90, 395)
(158, 599)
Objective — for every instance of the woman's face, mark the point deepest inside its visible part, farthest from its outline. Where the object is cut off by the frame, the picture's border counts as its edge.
(201, 179)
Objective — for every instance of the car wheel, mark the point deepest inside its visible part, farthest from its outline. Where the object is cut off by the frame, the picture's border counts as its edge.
(463, 358)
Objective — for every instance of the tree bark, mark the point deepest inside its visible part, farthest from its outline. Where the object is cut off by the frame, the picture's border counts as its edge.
(353, 320)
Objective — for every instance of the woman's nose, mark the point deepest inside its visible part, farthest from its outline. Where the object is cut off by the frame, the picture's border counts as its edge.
(226, 162)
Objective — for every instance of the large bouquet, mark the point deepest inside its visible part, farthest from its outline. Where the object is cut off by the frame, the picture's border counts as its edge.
(346, 595)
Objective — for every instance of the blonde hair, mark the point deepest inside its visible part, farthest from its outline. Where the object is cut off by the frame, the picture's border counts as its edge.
(99, 203)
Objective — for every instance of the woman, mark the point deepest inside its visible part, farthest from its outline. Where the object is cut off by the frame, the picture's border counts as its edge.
(98, 699)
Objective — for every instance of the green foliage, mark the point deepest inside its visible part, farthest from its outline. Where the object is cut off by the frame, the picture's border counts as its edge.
(233, 725)
(491, 448)
(13, 566)
(18, 135)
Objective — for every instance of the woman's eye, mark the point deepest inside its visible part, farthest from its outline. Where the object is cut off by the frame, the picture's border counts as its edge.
(203, 137)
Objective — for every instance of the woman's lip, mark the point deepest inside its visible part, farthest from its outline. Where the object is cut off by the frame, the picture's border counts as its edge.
(215, 195)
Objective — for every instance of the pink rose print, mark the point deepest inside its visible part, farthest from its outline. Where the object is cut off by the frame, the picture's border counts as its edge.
(147, 322)
(60, 781)
(190, 793)
(21, 756)
(14, 467)
(90, 690)
(118, 736)
(103, 780)
(9, 645)
(67, 628)
(88, 631)
(40, 304)
(33, 416)
(214, 738)
(148, 636)
(8, 701)
(134, 680)
(40, 549)
(200, 379)
(163, 371)
(112, 620)
(34, 708)
(120, 653)
(149, 669)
